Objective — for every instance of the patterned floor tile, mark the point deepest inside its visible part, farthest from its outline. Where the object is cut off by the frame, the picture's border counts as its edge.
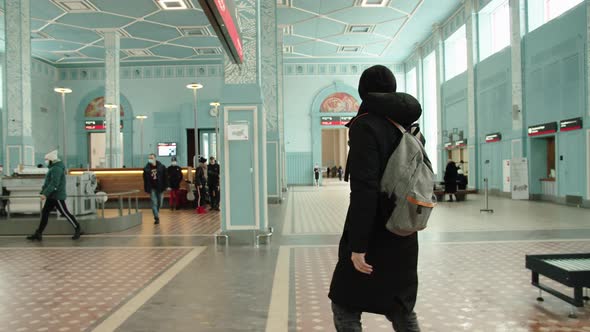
(463, 287)
(181, 222)
(73, 289)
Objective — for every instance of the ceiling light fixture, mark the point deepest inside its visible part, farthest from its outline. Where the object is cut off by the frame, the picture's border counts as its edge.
(172, 4)
(372, 3)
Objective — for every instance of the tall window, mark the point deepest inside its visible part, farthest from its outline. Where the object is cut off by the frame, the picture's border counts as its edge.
(543, 11)
(431, 109)
(412, 83)
(456, 53)
(494, 28)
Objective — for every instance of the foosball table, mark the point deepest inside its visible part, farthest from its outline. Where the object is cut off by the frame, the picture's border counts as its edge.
(571, 270)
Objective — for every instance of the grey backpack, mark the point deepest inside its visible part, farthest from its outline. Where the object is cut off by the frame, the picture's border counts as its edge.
(408, 180)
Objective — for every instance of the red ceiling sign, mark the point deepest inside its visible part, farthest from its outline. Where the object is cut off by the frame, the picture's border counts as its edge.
(219, 13)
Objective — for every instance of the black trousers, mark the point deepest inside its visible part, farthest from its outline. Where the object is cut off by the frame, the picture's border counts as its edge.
(347, 320)
(214, 195)
(50, 204)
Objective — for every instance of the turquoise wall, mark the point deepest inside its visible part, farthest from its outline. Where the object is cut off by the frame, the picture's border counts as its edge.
(494, 114)
(46, 110)
(158, 92)
(555, 89)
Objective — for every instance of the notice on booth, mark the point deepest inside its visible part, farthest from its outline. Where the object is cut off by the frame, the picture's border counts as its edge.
(519, 178)
(237, 132)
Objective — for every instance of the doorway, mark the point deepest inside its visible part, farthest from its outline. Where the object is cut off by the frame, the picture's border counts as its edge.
(543, 166)
(97, 149)
(334, 149)
(208, 143)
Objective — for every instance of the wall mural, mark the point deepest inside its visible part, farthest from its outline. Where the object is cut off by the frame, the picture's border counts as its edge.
(339, 102)
(95, 109)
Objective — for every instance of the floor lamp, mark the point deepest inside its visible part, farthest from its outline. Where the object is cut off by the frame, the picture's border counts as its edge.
(63, 92)
(195, 87)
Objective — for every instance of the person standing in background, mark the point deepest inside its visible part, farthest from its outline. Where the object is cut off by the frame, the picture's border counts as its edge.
(340, 173)
(316, 174)
(328, 172)
(54, 194)
(451, 179)
(174, 178)
(154, 183)
(201, 183)
(213, 171)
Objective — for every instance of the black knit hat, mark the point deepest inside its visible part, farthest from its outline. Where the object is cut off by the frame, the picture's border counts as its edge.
(376, 79)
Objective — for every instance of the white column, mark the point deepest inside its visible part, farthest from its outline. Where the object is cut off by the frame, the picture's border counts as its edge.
(112, 96)
(420, 82)
(440, 74)
(472, 56)
(19, 140)
(517, 29)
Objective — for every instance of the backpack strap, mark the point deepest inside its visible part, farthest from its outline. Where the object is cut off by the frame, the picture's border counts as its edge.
(397, 125)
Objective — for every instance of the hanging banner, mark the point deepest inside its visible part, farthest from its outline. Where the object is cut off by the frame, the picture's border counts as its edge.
(506, 176)
(519, 178)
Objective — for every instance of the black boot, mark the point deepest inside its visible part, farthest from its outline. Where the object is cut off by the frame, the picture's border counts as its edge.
(35, 237)
(156, 221)
(77, 234)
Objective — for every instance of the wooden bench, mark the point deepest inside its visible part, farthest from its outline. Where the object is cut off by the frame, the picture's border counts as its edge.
(114, 180)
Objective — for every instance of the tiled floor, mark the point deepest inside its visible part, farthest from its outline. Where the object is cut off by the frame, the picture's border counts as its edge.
(72, 289)
(472, 279)
(180, 222)
(463, 287)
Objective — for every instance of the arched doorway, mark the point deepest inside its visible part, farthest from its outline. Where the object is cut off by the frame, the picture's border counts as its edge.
(90, 132)
(332, 109)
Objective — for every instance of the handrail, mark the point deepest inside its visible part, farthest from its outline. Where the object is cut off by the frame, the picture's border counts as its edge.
(124, 193)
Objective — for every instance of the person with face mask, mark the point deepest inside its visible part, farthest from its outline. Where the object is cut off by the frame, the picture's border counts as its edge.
(53, 193)
(174, 179)
(154, 183)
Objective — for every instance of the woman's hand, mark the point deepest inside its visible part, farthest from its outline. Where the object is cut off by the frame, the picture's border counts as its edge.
(358, 259)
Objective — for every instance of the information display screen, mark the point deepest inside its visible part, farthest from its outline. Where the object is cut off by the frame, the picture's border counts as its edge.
(167, 149)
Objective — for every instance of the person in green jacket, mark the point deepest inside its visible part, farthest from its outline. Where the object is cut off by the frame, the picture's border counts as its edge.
(54, 195)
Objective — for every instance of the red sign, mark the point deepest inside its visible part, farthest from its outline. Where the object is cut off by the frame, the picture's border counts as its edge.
(335, 120)
(97, 125)
(230, 26)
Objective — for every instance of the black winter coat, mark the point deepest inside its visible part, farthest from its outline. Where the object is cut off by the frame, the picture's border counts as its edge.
(161, 179)
(393, 284)
(213, 175)
(451, 179)
(174, 176)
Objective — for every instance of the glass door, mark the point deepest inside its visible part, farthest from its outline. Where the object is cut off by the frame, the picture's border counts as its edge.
(208, 143)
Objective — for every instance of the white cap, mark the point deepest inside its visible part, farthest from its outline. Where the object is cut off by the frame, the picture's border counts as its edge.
(52, 156)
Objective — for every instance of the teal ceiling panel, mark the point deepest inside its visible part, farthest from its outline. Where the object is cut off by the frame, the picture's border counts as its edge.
(179, 17)
(292, 15)
(355, 39)
(133, 8)
(72, 34)
(323, 49)
(172, 51)
(319, 27)
(376, 48)
(44, 10)
(47, 56)
(197, 41)
(144, 58)
(323, 7)
(95, 20)
(54, 45)
(94, 52)
(405, 5)
(364, 15)
(389, 28)
(79, 60)
(152, 31)
(294, 40)
(127, 43)
(36, 24)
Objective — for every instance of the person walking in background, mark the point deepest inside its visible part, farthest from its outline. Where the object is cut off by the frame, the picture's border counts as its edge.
(54, 194)
(451, 179)
(340, 173)
(461, 179)
(154, 183)
(201, 183)
(175, 177)
(328, 172)
(316, 174)
(213, 180)
(377, 270)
